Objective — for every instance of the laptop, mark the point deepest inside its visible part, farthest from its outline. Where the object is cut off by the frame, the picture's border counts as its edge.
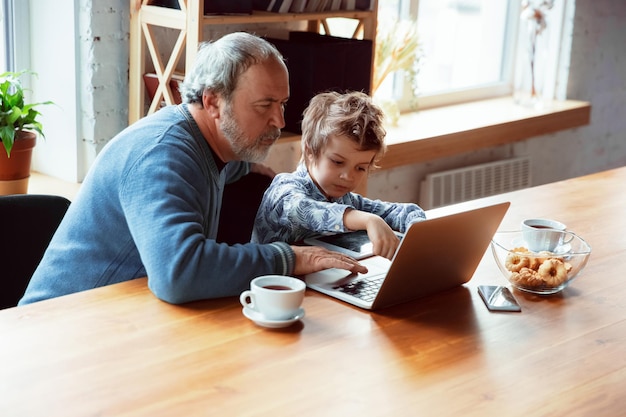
(433, 256)
(355, 244)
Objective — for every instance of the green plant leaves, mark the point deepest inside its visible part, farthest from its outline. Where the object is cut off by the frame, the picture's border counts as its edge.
(15, 115)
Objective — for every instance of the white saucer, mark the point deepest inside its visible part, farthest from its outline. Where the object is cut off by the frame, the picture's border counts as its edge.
(559, 250)
(259, 319)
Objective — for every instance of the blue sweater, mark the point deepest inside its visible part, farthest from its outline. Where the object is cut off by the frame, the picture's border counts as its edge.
(150, 206)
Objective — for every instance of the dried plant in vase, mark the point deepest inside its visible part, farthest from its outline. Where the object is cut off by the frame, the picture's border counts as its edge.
(397, 49)
(534, 15)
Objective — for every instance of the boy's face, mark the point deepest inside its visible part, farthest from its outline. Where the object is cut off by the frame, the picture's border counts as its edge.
(341, 166)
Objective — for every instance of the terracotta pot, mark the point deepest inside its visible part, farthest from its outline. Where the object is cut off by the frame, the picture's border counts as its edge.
(15, 171)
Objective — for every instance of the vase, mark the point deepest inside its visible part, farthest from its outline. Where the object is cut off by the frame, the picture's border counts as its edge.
(530, 73)
(15, 171)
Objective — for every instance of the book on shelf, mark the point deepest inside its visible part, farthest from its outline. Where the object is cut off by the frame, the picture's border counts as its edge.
(311, 6)
(348, 4)
(263, 5)
(297, 6)
(323, 6)
(357, 4)
(363, 4)
(170, 4)
(227, 7)
(275, 5)
(281, 6)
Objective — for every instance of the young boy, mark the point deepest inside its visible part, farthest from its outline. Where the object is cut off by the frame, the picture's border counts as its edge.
(342, 139)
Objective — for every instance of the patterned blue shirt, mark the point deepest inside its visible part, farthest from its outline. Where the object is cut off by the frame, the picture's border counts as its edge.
(293, 208)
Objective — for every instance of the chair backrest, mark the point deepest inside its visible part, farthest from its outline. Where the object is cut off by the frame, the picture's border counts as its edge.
(27, 223)
(239, 206)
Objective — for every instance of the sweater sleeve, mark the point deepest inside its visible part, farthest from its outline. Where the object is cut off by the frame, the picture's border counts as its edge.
(172, 211)
(399, 216)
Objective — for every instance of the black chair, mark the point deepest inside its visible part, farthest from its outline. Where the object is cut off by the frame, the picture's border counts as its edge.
(27, 223)
(239, 206)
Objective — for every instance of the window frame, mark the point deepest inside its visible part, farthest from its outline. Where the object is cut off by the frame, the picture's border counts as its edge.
(15, 30)
(555, 77)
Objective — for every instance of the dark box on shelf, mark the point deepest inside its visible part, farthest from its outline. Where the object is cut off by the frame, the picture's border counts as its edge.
(227, 7)
(319, 63)
(170, 4)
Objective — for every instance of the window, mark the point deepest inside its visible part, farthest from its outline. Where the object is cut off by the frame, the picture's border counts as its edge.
(4, 37)
(468, 50)
(15, 30)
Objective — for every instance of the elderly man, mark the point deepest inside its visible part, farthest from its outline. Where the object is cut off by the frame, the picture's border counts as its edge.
(150, 204)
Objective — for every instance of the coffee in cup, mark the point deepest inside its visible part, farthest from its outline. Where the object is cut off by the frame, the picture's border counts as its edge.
(543, 234)
(275, 297)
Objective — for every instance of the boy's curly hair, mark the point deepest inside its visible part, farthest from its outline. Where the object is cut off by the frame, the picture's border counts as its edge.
(352, 114)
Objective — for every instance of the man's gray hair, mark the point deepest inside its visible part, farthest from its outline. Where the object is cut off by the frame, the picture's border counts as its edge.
(220, 63)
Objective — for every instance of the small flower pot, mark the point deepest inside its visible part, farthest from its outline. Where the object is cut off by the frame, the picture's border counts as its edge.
(15, 171)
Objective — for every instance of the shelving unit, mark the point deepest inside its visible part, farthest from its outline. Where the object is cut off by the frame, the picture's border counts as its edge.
(190, 21)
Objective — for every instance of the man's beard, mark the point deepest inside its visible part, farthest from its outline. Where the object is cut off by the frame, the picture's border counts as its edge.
(240, 144)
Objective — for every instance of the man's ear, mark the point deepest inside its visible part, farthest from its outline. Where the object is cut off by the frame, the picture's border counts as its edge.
(211, 102)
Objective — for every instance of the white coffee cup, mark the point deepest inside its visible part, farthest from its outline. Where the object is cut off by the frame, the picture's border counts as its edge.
(276, 297)
(543, 234)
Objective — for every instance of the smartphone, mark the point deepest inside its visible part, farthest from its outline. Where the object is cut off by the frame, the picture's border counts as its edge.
(498, 298)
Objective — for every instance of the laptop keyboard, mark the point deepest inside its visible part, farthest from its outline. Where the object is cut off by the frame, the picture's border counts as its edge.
(365, 289)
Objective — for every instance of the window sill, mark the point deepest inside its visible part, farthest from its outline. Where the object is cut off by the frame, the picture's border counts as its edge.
(447, 131)
(44, 184)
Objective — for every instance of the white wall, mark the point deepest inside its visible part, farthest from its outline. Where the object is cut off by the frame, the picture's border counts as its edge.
(597, 74)
(53, 57)
(80, 51)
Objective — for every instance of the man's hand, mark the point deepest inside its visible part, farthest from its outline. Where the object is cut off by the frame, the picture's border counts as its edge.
(314, 258)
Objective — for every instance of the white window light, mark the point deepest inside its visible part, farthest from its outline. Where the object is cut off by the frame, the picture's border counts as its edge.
(470, 50)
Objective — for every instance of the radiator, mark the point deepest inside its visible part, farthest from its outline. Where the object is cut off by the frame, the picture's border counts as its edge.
(458, 185)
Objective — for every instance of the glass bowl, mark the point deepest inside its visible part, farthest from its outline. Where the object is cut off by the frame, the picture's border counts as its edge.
(543, 272)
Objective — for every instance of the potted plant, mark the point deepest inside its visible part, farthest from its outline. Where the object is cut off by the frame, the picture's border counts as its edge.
(19, 126)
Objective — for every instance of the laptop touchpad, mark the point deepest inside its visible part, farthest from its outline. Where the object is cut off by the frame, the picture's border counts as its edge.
(376, 265)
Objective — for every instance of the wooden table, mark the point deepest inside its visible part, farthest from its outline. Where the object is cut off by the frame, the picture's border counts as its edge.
(118, 351)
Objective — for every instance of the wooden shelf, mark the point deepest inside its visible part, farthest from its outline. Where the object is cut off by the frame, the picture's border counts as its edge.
(267, 17)
(190, 21)
(166, 17)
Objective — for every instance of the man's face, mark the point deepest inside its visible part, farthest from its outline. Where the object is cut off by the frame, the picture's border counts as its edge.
(251, 122)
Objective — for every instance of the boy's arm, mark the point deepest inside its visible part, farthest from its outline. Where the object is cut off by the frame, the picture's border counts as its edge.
(290, 213)
(397, 215)
(384, 240)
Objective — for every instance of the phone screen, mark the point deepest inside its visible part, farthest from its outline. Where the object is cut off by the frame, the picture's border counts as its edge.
(498, 298)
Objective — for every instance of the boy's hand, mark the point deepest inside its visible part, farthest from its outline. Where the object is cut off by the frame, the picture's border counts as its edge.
(384, 240)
